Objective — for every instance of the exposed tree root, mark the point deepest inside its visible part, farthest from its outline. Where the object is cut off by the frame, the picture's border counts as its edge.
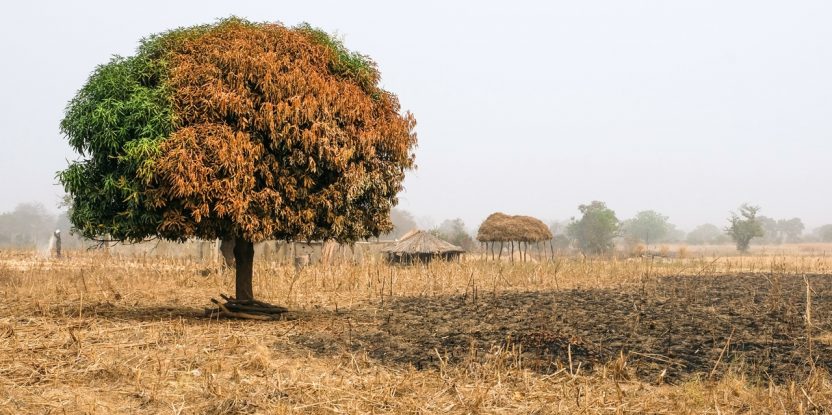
(246, 309)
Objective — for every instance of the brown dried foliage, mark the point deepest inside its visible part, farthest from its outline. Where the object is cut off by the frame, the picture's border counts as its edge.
(272, 144)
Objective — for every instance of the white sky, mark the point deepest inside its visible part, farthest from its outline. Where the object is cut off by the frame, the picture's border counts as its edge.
(686, 107)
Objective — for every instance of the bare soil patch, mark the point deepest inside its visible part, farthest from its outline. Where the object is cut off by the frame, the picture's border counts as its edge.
(669, 328)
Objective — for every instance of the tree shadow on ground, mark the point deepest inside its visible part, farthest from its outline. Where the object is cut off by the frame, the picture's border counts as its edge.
(669, 328)
(142, 313)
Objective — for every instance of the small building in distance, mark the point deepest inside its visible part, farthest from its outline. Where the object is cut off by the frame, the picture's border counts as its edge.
(421, 247)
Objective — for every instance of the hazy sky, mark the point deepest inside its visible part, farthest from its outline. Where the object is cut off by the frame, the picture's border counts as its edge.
(686, 107)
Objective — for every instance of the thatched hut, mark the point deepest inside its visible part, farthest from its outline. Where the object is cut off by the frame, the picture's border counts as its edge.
(421, 246)
(525, 230)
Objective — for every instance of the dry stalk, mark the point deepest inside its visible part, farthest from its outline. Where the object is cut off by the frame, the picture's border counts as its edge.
(809, 321)
(719, 359)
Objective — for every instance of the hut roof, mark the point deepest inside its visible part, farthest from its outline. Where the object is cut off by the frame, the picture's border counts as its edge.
(408, 234)
(501, 227)
(421, 242)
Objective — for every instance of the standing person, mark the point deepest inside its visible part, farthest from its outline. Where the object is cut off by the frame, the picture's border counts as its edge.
(57, 243)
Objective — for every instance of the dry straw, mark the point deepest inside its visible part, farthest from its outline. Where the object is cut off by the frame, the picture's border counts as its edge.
(98, 334)
(499, 227)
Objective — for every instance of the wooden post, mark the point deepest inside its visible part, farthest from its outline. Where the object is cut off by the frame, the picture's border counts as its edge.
(552, 248)
(522, 245)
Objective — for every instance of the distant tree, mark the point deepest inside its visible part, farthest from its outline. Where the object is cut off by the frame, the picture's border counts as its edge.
(453, 231)
(824, 233)
(771, 231)
(647, 226)
(744, 226)
(595, 230)
(28, 225)
(778, 231)
(674, 234)
(403, 222)
(239, 131)
(561, 242)
(706, 234)
(560, 237)
(790, 229)
(558, 227)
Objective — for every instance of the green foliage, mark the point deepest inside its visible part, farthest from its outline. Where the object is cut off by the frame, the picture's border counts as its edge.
(194, 137)
(453, 231)
(647, 226)
(745, 226)
(116, 122)
(595, 230)
(790, 229)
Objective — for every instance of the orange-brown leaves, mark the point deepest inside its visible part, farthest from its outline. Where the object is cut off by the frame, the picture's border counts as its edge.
(270, 143)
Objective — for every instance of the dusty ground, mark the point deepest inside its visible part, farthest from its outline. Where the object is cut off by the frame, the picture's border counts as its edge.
(103, 335)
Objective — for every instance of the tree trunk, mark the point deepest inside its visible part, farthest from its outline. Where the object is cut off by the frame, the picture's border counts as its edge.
(227, 251)
(244, 262)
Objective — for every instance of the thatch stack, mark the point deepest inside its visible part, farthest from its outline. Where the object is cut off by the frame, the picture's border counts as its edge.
(499, 227)
(502, 228)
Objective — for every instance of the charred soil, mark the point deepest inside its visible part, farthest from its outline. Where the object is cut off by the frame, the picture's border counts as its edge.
(666, 329)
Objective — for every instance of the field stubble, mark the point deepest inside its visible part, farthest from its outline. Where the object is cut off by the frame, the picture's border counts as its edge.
(99, 334)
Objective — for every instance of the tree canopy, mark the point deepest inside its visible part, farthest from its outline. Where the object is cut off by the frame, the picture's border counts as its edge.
(778, 231)
(237, 130)
(454, 232)
(595, 230)
(744, 226)
(647, 226)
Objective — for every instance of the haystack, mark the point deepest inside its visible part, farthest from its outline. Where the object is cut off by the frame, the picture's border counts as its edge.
(499, 227)
(421, 246)
(502, 228)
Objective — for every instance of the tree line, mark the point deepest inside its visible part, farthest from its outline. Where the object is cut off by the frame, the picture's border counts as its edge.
(598, 229)
(31, 225)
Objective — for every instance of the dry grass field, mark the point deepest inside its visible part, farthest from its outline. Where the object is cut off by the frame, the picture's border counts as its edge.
(97, 334)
